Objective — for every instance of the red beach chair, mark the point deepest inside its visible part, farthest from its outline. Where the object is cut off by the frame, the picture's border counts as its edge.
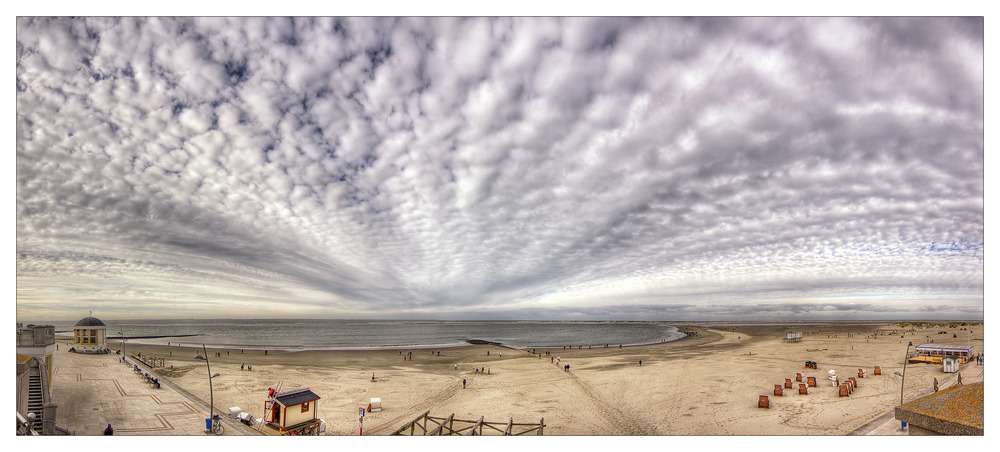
(844, 392)
(854, 381)
(788, 383)
(803, 389)
(878, 370)
(812, 381)
(798, 377)
(778, 390)
(762, 402)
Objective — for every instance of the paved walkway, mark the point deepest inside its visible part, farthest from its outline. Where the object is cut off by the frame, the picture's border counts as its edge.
(92, 391)
(887, 425)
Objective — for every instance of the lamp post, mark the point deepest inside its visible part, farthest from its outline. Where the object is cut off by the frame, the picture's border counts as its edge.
(903, 375)
(124, 352)
(211, 394)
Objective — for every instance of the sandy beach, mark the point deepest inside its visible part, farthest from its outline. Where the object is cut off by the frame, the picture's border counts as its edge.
(705, 384)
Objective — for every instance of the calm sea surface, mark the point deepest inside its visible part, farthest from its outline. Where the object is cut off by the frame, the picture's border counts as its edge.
(378, 334)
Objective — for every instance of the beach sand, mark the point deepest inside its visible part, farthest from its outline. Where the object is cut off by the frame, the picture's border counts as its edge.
(705, 384)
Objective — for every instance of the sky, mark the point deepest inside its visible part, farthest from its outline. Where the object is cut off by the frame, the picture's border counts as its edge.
(535, 168)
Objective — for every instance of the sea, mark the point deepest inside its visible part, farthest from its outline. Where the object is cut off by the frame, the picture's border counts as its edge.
(320, 334)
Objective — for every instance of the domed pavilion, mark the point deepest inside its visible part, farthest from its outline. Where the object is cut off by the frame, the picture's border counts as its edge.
(90, 336)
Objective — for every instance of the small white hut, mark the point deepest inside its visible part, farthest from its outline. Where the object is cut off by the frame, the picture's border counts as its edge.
(793, 337)
(951, 364)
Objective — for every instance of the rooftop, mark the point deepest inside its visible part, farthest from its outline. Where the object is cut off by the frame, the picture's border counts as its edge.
(296, 397)
(945, 347)
(957, 410)
(90, 321)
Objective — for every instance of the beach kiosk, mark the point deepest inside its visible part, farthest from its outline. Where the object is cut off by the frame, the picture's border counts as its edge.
(935, 353)
(793, 337)
(90, 335)
(292, 412)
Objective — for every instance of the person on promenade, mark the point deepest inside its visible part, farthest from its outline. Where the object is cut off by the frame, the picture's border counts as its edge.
(109, 431)
(640, 363)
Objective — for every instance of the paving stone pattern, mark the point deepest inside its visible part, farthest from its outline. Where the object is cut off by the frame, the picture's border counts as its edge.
(92, 391)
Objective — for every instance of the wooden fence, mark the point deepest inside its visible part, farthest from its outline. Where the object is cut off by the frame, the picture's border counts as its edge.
(447, 426)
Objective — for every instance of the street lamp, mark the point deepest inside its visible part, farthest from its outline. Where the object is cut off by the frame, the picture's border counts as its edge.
(903, 375)
(124, 352)
(211, 394)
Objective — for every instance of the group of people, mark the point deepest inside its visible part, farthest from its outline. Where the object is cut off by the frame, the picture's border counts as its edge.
(483, 371)
(149, 378)
(248, 367)
(153, 381)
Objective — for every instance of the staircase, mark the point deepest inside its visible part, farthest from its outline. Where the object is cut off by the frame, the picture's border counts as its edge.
(35, 401)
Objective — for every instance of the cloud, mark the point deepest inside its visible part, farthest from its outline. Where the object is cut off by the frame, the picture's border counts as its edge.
(370, 167)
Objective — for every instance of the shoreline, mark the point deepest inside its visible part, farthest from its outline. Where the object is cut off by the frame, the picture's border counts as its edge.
(185, 340)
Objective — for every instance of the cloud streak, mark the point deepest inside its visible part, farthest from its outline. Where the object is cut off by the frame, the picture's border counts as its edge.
(513, 167)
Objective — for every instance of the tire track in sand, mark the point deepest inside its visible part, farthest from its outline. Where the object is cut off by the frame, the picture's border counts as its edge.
(621, 422)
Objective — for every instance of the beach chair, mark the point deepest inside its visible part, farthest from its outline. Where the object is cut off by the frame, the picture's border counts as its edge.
(854, 381)
(798, 377)
(803, 389)
(811, 381)
(844, 392)
(850, 386)
(788, 383)
(778, 390)
(762, 402)
(878, 370)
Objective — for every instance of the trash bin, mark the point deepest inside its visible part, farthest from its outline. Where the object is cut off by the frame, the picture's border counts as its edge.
(208, 423)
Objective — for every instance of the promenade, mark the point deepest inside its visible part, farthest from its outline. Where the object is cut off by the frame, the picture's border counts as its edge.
(92, 391)
(887, 425)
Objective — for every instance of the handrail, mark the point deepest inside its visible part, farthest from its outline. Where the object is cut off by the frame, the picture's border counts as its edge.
(61, 428)
(476, 427)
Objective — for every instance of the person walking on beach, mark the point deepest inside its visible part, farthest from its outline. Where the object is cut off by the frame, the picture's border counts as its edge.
(640, 363)
(109, 431)
(242, 366)
(463, 383)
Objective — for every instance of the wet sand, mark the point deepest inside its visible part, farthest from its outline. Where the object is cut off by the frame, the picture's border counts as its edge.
(705, 384)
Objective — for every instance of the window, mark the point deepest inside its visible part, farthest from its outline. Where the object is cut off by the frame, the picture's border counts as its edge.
(305, 407)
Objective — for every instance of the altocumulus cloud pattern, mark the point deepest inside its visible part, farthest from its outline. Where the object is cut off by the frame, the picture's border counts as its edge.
(519, 168)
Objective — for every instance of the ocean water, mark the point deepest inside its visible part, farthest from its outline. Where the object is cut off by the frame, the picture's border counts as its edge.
(309, 334)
